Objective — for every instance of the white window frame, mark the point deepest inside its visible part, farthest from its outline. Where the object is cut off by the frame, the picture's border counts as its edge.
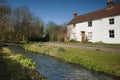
(90, 35)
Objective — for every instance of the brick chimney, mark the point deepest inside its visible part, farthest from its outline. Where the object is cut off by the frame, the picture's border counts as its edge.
(110, 4)
(74, 14)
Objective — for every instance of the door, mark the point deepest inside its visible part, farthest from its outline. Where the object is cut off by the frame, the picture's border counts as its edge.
(83, 36)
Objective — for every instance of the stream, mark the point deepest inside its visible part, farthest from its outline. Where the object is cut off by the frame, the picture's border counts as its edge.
(55, 69)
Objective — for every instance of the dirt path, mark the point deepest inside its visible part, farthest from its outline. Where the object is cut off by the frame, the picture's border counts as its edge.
(89, 47)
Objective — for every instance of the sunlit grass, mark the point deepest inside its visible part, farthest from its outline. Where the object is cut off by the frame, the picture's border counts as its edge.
(108, 62)
(97, 60)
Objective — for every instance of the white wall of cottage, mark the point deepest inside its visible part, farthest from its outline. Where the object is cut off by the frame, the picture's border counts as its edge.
(100, 30)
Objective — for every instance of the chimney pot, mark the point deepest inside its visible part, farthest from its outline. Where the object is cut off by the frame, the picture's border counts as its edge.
(74, 14)
(110, 4)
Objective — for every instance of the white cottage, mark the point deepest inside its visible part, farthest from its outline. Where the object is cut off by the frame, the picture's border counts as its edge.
(99, 26)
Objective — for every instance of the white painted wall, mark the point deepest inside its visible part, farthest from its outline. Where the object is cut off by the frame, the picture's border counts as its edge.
(70, 32)
(115, 27)
(100, 30)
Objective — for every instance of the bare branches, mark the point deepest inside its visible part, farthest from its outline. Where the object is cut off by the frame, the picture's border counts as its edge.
(19, 24)
(56, 32)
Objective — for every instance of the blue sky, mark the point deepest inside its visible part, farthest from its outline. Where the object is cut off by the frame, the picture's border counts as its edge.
(59, 11)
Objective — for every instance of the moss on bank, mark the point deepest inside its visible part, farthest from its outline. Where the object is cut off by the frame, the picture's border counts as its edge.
(17, 67)
(108, 62)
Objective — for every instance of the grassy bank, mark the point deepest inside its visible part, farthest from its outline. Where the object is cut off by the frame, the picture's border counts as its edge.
(107, 62)
(17, 67)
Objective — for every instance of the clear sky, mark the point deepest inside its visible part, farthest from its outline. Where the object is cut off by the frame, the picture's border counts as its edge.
(59, 11)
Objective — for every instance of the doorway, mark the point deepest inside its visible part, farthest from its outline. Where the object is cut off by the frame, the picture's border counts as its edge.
(83, 36)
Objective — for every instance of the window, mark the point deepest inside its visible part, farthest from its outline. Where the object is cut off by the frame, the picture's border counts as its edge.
(74, 25)
(111, 33)
(111, 21)
(89, 35)
(90, 23)
(74, 35)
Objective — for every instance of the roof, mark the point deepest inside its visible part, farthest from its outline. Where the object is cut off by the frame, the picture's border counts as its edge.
(114, 11)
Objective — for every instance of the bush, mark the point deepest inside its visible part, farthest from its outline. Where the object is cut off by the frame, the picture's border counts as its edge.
(72, 40)
(40, 45)
(61, 49)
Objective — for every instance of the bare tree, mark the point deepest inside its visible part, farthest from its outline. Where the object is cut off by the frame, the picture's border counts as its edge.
(5, 13)
(51, 30)
(61, 33)
(22, 21)
(56, 32)
(19, 24)
(36, 29)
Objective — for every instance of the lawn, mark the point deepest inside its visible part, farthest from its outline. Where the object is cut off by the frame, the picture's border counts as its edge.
(108, 62)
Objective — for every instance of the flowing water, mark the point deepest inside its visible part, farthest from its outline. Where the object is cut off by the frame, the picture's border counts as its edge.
(56, 69)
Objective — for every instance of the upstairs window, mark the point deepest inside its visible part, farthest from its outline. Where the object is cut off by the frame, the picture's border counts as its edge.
(74, 36)
(111, 33)
(111, 21)
(90, 23)
(74, 25)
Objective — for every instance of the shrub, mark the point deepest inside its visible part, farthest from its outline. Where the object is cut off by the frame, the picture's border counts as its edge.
(61, 49)
(72, 40)
(40, 45)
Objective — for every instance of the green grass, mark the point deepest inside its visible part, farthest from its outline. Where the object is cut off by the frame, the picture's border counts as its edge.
(17, 67)
(108, 62)
(97, 60)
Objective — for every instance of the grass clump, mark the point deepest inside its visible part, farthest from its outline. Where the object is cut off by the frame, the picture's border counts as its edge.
(25, 61)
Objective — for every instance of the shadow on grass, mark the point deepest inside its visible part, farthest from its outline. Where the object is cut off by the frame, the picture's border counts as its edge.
(12, 70)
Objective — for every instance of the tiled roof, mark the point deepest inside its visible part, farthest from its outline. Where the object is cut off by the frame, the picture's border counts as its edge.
(114, 11)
